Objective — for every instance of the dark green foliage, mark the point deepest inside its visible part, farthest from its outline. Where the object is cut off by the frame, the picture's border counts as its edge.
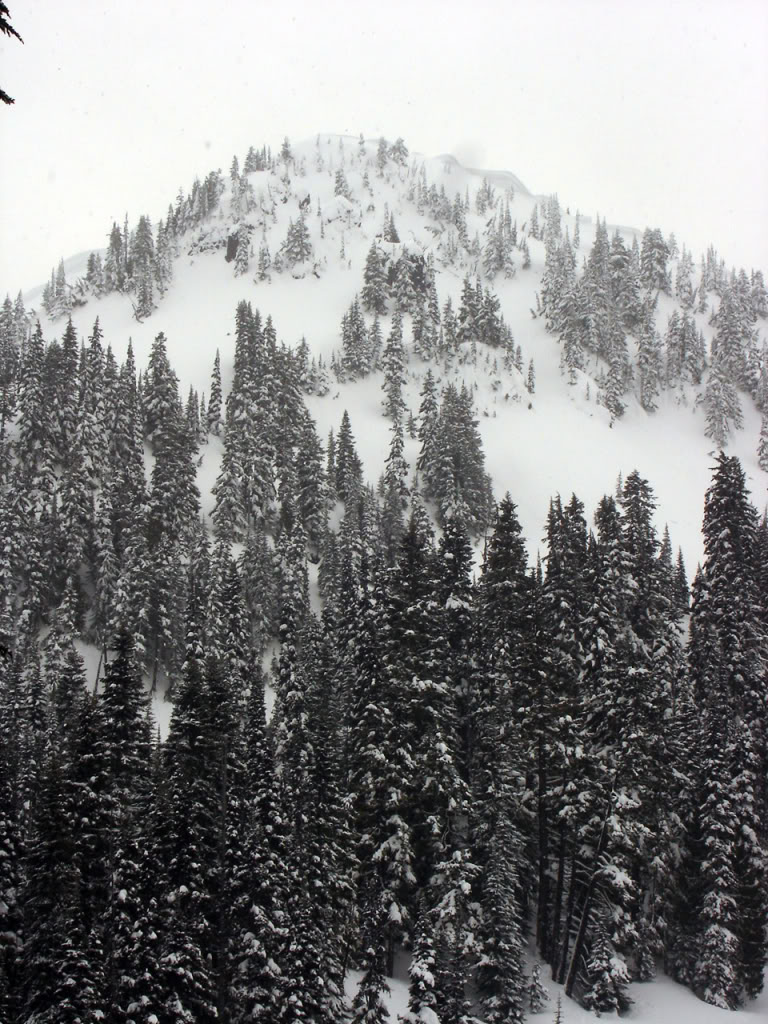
(214, 399)
(417, 667)
(536, 996)
(500, 971)
(735, 336)
(297, 248)
(499, 246)
(375, 291)
(685, 350)
(368, 1006)
(422, 994)
(479, 318)
(393, 364)
(142, 262)
(356, 348)
(452, 460)
(721, 405)
(349, 469)
(606, 990)
(56, 939)
(720, 950)
(654, 254)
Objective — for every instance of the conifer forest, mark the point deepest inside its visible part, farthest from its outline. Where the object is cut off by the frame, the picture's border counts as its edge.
(272, 723)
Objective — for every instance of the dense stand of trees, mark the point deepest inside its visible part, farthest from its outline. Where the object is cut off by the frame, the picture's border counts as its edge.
(458, 763)
(608, 314)
(572, 756)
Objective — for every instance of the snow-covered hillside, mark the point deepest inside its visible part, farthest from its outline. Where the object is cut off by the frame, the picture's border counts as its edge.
(559, 440)
(310, 389)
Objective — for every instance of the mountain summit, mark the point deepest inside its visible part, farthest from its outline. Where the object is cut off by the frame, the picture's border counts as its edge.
(622, 330)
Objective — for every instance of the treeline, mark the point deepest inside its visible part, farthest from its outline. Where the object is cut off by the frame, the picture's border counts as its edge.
(453, 764)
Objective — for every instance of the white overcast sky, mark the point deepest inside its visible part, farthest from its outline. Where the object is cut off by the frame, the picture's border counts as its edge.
(648, 112)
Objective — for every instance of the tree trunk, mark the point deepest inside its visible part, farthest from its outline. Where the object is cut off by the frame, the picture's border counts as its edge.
(542, 923)
(566, 931)
(557, 908)
(587, 907)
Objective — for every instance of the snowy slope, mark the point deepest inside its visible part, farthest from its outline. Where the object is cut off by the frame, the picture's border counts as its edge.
(557, 441)
(662, 1001)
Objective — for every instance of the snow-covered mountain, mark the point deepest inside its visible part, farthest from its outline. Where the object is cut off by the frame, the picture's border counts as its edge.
(558, 440)
(326, 295)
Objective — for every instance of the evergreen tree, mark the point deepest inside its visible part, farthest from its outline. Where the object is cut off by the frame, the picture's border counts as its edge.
(9, 365)
(312, 485)
(501, 682)
(536, 995)
(297, 247)
(393, 364)
(243, 252)
(422, 994)
(721, 406)
(125, 746)
(607, 989)
(260, 876)
(428, 420)
(374, 294)
(653, 261)
(349, 469)
(355, 343)
(733, 340)
(265, 262)
(649, 367)
(161, 391)
(214, 401)
(341, 185)
(189, 839)
(683, 279)
(11, 837)
(500, 970)
(142, 262)
(114, 262)
(382, 155)
(762, 445)
(720, 951)
(229, 513)
(174, 499)
(398, 152)
(417, 664)
(454, 476)
(616, 380)
(404, 291)
(558, 707)
(368, 1006)
(380, 764)
(34, 444)
(165, 250)
(63, 969)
